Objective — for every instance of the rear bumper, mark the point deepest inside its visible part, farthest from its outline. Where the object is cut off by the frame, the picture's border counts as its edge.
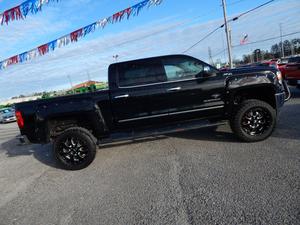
(23, 139)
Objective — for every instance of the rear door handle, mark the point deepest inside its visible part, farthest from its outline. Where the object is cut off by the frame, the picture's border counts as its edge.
(174, 89)
(121, 96)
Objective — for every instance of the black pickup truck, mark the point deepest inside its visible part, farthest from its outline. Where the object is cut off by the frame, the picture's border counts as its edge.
(155, 96)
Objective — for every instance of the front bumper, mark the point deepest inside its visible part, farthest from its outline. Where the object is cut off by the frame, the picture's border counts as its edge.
(287, 91)
(280, 99)
(283, 96)
(9, 120)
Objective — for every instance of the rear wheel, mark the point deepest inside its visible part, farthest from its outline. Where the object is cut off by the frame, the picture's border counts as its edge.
(254, 121)
(75, 149)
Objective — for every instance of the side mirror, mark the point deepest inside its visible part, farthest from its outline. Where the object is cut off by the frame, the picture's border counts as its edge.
(207, 72)
(207, 69)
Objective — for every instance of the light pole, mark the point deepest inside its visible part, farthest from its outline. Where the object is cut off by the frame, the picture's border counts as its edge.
(282, 48)
(116, 57)
(227, 30)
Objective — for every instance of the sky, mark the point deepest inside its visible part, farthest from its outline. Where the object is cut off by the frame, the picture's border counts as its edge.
(169, 28)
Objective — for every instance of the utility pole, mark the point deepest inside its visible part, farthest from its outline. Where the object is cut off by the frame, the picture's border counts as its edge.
(69, 77)
(88, 75)
(211, 61)
(292, 48)
(227, 30)
(282, 48)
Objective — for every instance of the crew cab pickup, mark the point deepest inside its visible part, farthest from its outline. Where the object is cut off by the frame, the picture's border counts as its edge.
(151, 97)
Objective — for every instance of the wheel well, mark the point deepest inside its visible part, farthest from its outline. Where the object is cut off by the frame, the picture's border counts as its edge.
(266, 94)
(57, 126)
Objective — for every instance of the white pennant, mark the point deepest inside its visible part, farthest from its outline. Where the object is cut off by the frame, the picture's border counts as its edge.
(61, 42)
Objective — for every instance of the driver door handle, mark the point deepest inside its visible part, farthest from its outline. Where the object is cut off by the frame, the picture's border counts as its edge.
(174, 89)
(121, 96)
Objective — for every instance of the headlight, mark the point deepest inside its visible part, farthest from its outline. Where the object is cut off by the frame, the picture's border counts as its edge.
(279, 77)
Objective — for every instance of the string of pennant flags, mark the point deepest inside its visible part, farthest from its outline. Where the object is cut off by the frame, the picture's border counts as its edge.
(80, 33)
(21, 11)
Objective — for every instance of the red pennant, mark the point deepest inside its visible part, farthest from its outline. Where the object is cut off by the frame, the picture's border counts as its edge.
(118, 16)
(13, 60)
(128, 11)
(43, 49)
(76, 34)
(11, 14)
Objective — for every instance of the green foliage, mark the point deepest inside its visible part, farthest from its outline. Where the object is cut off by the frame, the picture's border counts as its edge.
(5, 106)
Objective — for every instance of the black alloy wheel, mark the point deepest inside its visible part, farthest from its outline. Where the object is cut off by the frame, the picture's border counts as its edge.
(75, 149)
(254, 120)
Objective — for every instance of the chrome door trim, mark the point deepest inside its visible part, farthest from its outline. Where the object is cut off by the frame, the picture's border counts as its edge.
(197, 110)
(168, 114)
(143, 117)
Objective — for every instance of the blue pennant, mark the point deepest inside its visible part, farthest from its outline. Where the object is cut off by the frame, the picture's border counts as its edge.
(52, 45)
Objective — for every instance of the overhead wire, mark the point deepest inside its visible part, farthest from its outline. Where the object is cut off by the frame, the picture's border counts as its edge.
(230, 20)
(256, 42)
(267, 39)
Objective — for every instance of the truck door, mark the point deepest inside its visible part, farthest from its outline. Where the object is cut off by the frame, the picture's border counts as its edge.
(194, 89)
(138, 95)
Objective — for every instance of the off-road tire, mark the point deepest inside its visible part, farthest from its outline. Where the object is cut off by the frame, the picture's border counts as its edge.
(240, 114)
(85, 154)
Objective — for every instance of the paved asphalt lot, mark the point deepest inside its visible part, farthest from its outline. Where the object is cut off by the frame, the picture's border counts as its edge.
(199, 177)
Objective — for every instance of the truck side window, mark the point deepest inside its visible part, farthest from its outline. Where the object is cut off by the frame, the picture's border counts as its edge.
(182, 68)
(141, 73)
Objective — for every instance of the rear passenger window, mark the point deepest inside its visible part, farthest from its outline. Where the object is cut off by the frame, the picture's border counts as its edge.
(180, 68)
(141, 73)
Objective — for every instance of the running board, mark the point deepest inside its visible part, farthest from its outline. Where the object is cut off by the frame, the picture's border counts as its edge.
(154, 132)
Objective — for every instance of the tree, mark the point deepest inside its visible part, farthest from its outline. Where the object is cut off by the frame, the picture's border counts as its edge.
(287, 48)
(275, 50)
(295, 43)
(246, 59)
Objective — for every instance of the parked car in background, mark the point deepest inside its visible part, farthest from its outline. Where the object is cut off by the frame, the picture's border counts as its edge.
(7, 115)
(291, 70)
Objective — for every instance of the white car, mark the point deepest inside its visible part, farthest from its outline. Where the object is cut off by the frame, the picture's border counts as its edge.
(7, 115)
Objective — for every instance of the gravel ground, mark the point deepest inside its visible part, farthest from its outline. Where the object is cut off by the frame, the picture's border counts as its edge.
(199, 177)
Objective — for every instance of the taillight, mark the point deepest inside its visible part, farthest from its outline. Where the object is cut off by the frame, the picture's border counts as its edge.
(20, 119)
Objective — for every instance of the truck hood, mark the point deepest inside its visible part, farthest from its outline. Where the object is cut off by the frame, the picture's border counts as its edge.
(247, 70)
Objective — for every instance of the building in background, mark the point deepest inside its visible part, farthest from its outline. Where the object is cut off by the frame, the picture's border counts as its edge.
(88, 86)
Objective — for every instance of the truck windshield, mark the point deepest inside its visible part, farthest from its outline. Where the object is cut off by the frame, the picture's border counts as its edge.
(5, 111)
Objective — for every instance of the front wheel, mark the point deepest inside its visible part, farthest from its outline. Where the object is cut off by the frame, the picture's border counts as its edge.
(254, 121)
(75, 149)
